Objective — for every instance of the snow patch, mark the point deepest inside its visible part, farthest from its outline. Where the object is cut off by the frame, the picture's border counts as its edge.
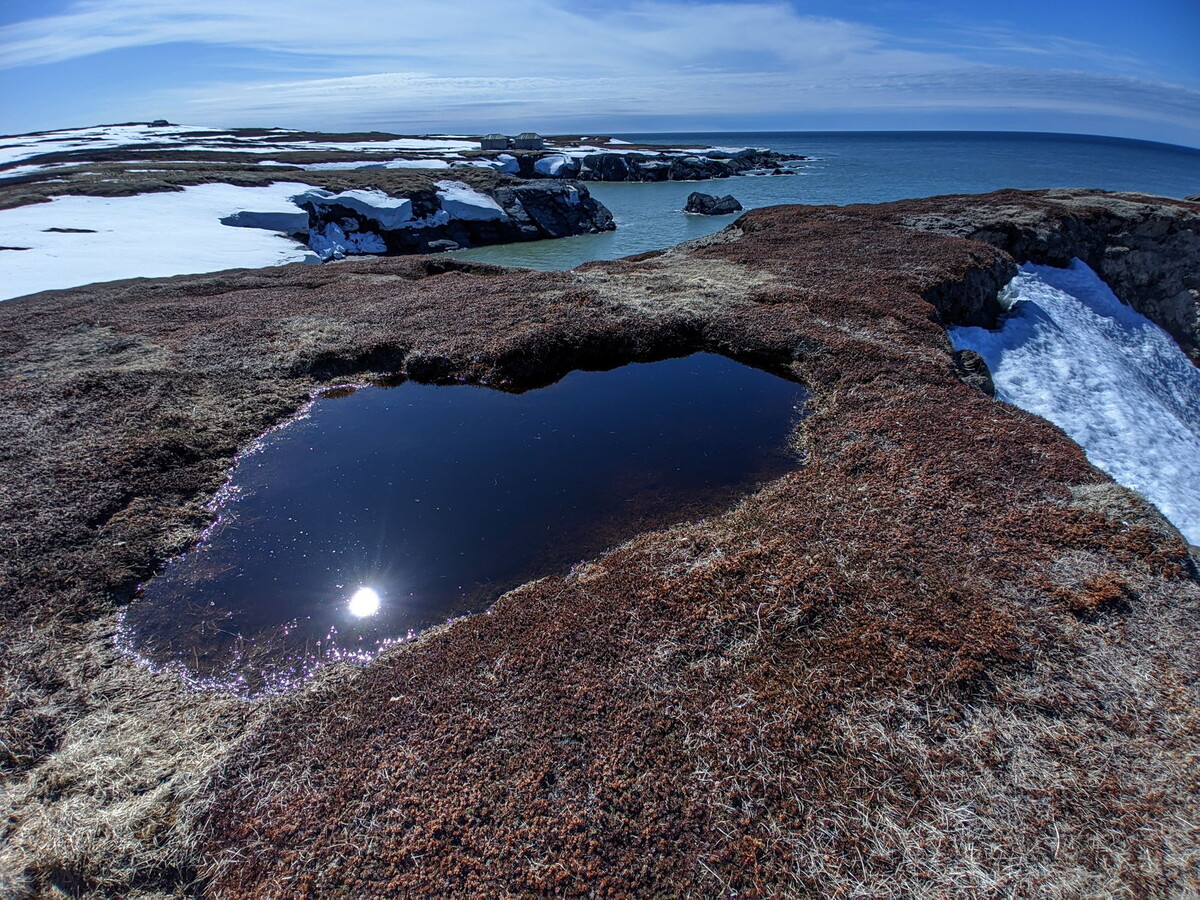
(334, 242)
(460, 201)
(387, 212)
(1115, 382)
(364, 164)
(149, 235)
(505, 163)
(552, 165)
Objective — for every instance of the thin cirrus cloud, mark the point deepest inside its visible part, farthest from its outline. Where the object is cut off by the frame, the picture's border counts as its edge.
(479, 34)
(473, 63)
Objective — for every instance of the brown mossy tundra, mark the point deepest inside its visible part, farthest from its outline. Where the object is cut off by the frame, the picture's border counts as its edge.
(944, 658)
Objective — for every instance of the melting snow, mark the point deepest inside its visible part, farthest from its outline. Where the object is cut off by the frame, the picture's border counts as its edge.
(334, 242)
(388, 212)
(552, 165)
(460, 201)
(1073, 353)
(17, 148)
(150, 235)
(364, 164)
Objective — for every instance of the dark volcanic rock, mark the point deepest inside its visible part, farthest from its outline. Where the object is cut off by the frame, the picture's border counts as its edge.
(605, 167)
(532, 211)
(708, 205)
(698, 166)
(555, 209)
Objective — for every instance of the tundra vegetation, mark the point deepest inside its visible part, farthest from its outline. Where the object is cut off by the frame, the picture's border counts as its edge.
(946, 657)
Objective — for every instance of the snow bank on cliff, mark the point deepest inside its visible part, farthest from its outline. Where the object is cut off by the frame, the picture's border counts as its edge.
(461, 201)
(1073, 353)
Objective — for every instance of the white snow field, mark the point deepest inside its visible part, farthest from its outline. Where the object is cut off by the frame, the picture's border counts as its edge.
(1115, 382)
(150, 236)
(193, 137)
(73, 241)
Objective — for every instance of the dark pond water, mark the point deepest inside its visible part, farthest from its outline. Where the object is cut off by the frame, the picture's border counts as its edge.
(392, 509)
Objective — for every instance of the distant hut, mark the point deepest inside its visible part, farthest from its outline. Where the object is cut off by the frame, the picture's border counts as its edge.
(494, 142)
(529, 140)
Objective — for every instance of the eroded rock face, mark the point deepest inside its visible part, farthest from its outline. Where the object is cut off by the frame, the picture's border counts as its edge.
(453, 214)
(699, 166)
(946, 609)
(1147, 252)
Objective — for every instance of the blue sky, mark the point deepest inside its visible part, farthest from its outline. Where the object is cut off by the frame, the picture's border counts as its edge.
(1121, 69)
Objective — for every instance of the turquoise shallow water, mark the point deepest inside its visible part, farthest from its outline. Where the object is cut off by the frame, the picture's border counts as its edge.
(861, 167)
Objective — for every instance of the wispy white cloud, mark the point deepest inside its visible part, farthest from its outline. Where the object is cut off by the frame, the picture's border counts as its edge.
(470, 36)
(437, 101)
(444, 63)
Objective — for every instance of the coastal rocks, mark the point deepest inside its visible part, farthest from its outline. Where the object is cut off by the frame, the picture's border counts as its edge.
(608, 167)
(642, 166)
(554, 210)
(452, 216)
(708, 205)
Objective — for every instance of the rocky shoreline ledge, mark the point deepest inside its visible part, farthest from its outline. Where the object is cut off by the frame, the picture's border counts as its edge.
(946, 657)
(584, 158)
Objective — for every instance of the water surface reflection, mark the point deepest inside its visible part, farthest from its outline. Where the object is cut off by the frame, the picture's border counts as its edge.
(390, 510)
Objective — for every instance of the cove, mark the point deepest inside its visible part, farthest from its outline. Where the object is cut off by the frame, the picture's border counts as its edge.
(383, 511)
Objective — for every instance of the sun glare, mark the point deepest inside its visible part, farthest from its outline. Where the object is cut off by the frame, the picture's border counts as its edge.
(364, 602)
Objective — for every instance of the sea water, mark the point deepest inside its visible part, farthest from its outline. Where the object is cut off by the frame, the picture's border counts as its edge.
(860, 167)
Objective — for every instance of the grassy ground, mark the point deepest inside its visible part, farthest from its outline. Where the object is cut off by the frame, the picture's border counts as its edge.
(122, 176)
(946, 658)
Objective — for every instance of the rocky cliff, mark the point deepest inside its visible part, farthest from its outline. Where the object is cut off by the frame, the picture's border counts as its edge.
(945, 657)
(1149, 253)
(450, 217)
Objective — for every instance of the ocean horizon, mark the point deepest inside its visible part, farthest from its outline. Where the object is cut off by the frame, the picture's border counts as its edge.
(848, 167)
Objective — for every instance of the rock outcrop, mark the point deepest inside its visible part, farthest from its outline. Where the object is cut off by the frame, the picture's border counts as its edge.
(649, 166)
(1147, 251)
(451, 216)
(708, 205)
(698, 166)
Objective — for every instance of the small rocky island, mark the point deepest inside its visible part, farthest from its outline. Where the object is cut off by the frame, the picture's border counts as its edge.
(708, 205)
(945, 656)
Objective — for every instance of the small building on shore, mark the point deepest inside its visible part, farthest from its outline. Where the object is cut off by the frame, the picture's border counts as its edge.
(529, 140)
(494, 142)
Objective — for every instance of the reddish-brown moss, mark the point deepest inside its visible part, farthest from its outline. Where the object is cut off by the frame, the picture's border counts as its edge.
(673, 719)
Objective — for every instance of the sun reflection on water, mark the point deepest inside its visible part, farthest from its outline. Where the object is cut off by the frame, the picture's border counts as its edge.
(364, 603)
